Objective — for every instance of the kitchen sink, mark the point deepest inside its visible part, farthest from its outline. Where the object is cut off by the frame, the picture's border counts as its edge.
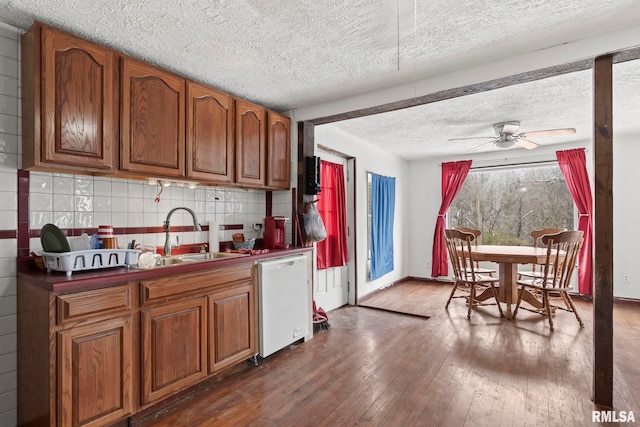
(173, 260)
(167, 261)
(207, 256)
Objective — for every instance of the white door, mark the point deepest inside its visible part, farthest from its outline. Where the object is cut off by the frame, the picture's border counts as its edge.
(332, 284)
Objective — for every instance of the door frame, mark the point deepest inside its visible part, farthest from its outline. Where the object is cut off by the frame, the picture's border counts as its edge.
(306, 147)
(350, 186)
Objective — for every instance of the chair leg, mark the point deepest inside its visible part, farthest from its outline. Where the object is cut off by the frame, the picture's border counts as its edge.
(472, 297)
(547, 308)
(568, 300)
(495, 296)
(455, 286)
(520, 293)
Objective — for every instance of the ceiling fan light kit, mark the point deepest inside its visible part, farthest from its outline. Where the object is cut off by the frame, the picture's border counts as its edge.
(507, 136)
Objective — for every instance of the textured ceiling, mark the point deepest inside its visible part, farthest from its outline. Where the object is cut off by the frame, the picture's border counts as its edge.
(319, 51)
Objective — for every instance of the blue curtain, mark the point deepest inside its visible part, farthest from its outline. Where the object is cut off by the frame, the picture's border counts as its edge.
(383, 200)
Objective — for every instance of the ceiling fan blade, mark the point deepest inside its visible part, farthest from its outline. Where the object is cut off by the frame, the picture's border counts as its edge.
(477, 147)
(525, 143)
(548, 132)
(471, 137)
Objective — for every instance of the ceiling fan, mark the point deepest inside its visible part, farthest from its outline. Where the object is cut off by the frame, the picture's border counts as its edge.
(507, 136)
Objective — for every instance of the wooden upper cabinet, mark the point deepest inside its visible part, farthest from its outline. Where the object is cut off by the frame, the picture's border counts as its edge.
(278, 151)
(81, 113)
(152, 121)
(250, 144)
(69, 102)
(210, 150)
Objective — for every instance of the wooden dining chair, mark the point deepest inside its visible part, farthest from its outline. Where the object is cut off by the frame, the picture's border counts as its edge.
(476, 234)
(464, 274)
(537, 269)
(562, 257)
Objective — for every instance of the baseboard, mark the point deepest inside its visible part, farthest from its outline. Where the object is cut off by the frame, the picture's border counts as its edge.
(444, 281)
(428, 280)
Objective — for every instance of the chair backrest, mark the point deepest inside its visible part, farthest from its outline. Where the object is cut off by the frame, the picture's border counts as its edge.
(537, 234)
(459, 247)
(562, 257)
(476, 233)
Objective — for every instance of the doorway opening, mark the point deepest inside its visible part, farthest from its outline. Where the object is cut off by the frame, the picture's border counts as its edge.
(336, 286)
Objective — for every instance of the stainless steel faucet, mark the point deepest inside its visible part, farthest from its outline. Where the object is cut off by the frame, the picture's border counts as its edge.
(166, 225)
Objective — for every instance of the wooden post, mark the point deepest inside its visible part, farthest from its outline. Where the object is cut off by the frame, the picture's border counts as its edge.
(603, 233)
(306, 147)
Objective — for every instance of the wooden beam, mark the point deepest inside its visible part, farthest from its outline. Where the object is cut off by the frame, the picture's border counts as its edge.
(485, 86)
(603, 232)
(528, 76)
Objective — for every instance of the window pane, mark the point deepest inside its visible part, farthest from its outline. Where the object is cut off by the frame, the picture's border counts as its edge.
(506, 205)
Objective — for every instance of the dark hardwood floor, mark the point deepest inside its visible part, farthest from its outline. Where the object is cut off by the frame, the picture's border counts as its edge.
(386, 369)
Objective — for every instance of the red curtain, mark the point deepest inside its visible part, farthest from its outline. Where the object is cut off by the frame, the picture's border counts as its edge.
(453, 175)
(573, 165)
(332, 251)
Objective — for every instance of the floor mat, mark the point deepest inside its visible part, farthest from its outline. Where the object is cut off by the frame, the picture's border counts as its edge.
(406, 298)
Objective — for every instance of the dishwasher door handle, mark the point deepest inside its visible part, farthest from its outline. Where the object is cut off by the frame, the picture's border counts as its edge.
(286, 264)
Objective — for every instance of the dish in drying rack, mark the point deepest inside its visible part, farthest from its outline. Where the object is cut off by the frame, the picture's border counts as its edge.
(53, 239)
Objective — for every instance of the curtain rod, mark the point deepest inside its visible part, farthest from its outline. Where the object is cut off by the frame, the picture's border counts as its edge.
(540, 162)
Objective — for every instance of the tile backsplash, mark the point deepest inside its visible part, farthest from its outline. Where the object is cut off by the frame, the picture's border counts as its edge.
(80, 201)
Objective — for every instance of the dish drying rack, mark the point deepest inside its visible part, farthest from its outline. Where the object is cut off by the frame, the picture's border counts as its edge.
(90, 259)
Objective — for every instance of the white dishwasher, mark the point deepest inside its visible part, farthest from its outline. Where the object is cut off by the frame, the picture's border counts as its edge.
(283, 298)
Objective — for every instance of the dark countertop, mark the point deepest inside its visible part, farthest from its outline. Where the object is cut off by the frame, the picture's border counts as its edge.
(58, 281)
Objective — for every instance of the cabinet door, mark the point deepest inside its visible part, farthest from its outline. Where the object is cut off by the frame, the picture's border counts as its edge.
(250, 144)
(232, 326)
(279, 151)
(79, 103)
(152, 121)
(209, 134)
(174, 348)
(94, 373)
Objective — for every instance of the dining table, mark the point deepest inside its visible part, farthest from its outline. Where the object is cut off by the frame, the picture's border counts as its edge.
(508, 258)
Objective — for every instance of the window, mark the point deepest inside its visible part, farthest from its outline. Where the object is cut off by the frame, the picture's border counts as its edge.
(507, 204)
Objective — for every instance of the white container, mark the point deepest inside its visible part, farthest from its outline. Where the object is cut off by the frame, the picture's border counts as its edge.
(79, 243)
(89, 259)
(214, 236)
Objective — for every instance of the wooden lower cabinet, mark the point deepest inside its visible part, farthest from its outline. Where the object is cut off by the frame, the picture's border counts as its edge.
(231, 326)
(94, 371)
(173, 348)
(96, 357)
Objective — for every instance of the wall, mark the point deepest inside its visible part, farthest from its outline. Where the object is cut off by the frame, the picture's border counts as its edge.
(626, 207)
(371, 159)
(9, 136)
(79, 201)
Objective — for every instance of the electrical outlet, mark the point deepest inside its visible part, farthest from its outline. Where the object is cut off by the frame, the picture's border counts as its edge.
(428, 264)
(625, 278)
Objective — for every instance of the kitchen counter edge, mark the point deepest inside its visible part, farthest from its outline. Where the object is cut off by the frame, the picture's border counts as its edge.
(57, 281)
